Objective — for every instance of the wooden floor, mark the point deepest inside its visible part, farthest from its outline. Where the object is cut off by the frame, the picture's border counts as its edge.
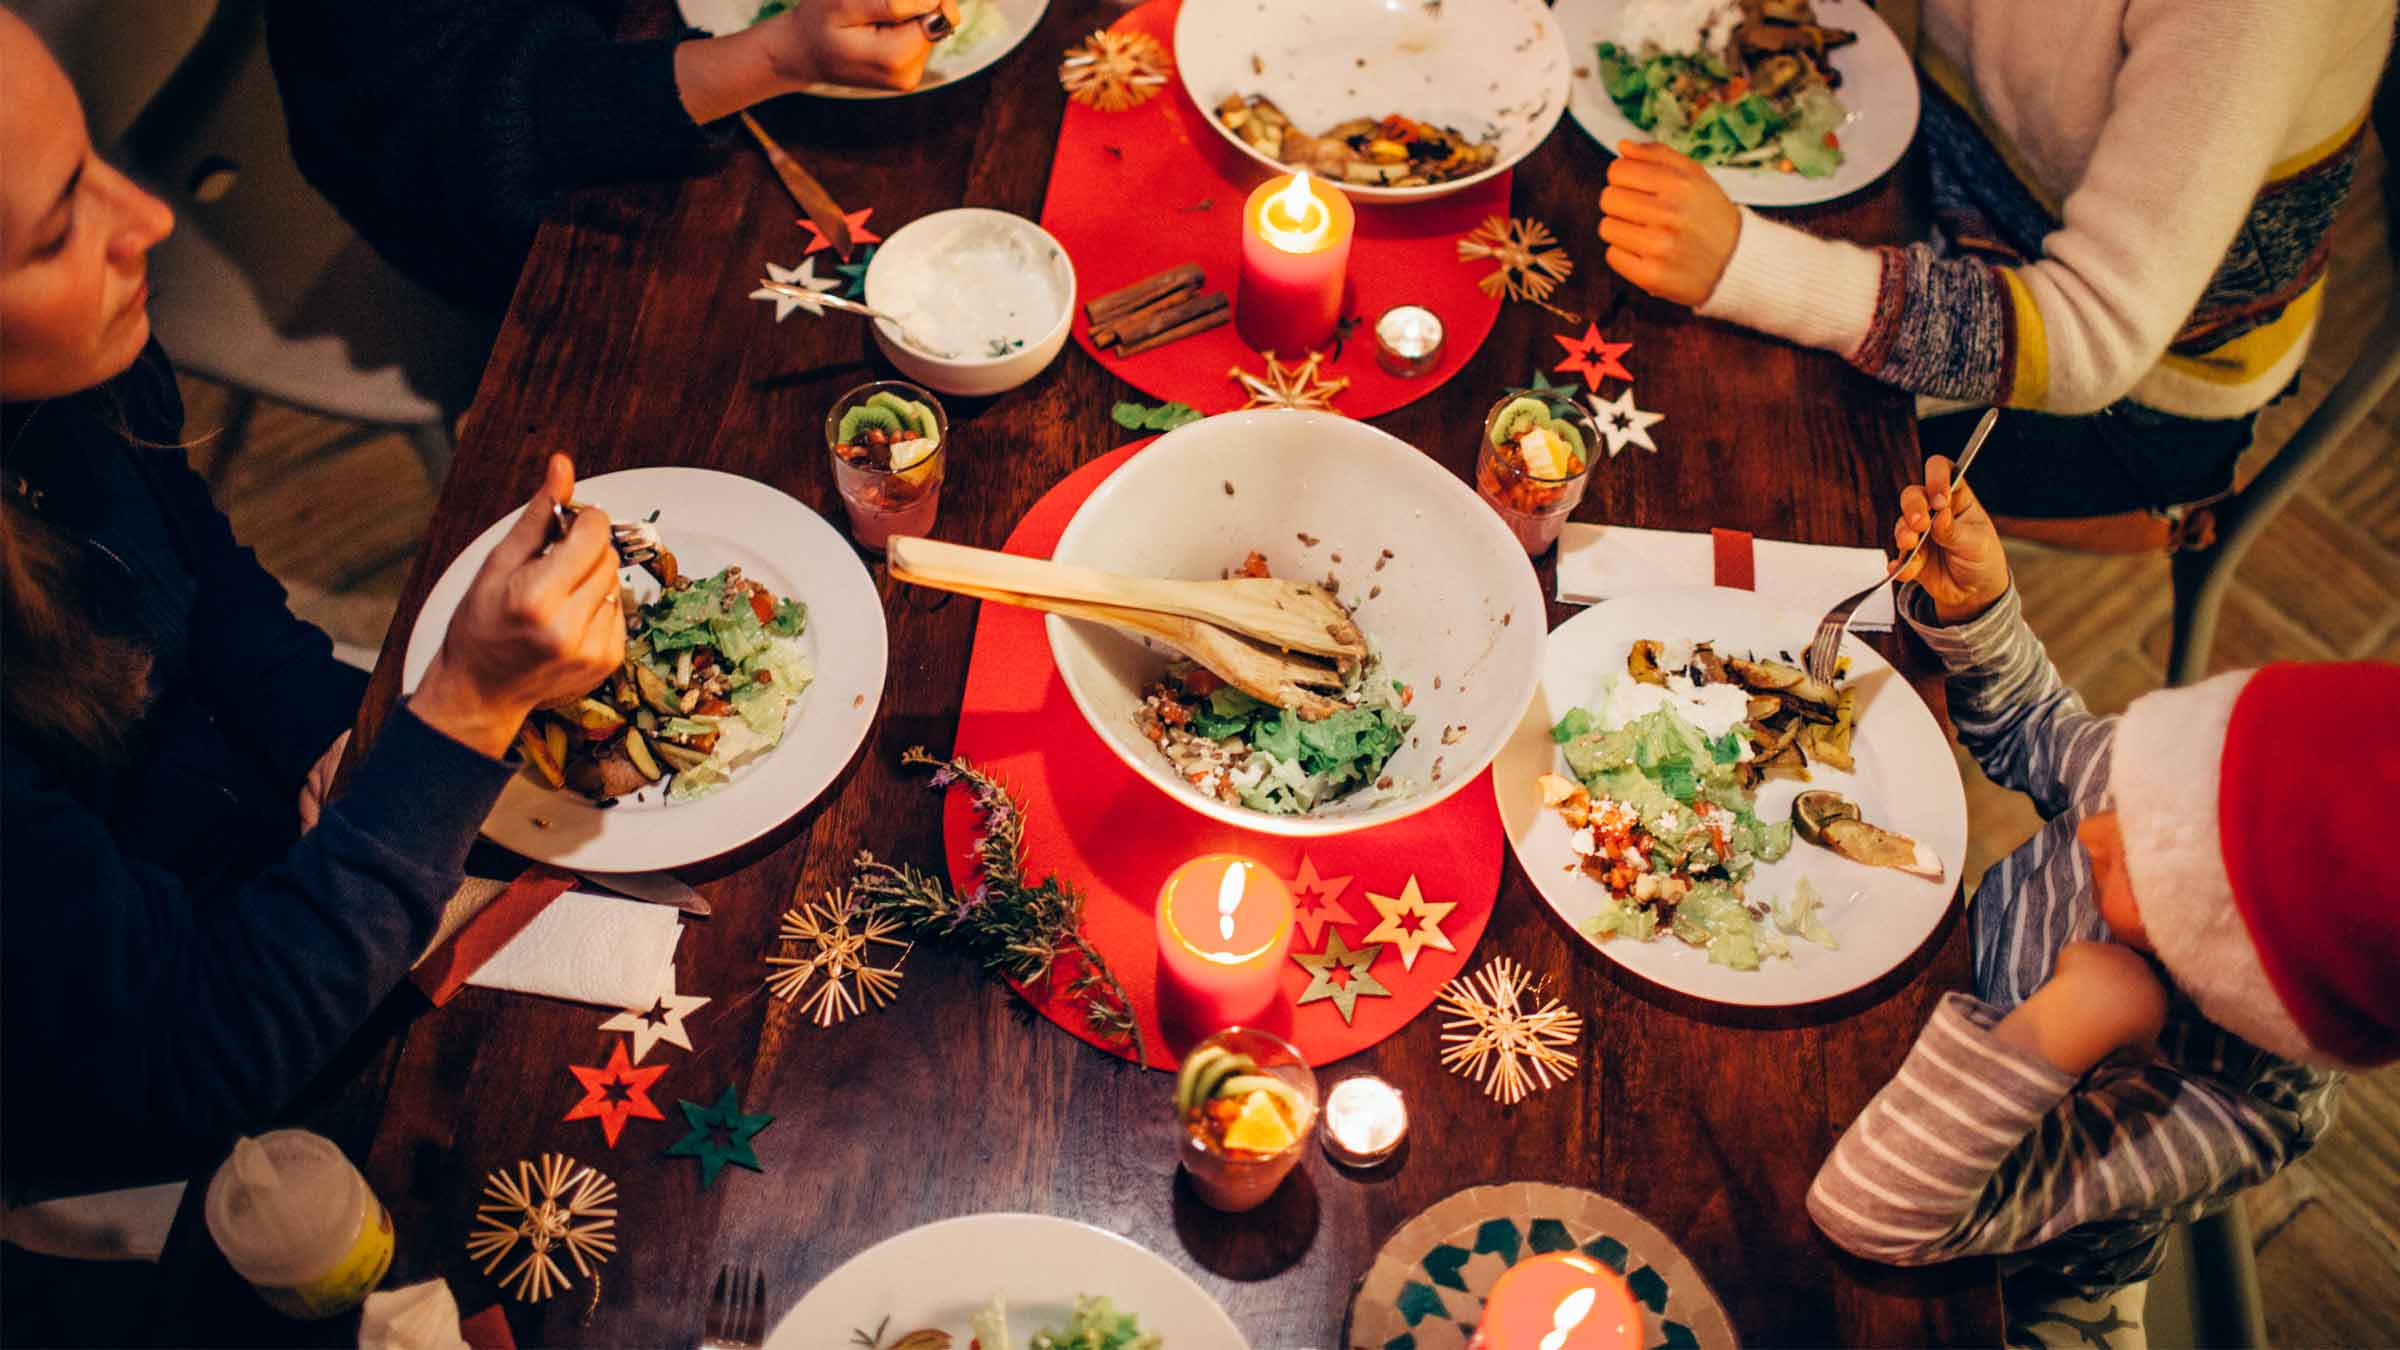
(335, 511)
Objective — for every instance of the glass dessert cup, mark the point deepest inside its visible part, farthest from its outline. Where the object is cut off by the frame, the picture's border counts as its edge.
(1231, 1103)
(884, 500)
(1535, 499)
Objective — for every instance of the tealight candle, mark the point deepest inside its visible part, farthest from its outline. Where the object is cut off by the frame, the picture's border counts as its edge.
(1295, 258)
(1365, 1120)
(1561, 1301)
(1408, 340)
(1224, 931)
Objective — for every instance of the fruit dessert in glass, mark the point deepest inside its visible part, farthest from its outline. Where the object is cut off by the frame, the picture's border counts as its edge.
(1246, 1101)
(890, 442)
(1534, 465)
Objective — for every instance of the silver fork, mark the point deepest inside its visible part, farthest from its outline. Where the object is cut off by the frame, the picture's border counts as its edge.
(737, 1309)
(1824, 650)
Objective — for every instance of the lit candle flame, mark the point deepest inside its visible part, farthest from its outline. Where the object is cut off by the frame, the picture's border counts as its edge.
(1570, 1314)
(1294, 220)
(1229, 899)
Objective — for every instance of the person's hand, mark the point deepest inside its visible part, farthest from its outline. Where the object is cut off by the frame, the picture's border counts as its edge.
(1963, 567)
(1670, 229)
(320, 781)
(873, 44)
(2100, 998)
(535, 625)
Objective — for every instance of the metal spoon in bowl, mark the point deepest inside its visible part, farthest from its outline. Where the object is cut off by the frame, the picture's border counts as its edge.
(830, 301)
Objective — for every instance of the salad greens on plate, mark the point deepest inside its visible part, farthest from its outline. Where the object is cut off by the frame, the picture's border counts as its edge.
(1695, 104)
(1271, 759)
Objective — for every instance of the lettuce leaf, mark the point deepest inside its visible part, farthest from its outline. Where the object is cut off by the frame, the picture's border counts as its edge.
(1801, 917)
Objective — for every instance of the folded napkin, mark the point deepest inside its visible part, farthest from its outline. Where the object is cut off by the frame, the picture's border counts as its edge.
(481, 917)
(590, 949)
(1598, 561)
(417, 1317)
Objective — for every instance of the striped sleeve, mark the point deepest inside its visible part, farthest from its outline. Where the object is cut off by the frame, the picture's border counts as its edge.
(1979, 1147)
(2028, 730)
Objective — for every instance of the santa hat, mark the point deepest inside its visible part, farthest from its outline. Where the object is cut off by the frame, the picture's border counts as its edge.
(2261, 817)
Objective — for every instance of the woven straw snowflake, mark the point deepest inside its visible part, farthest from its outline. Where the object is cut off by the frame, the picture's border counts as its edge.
(1296, 386)
(1115, 71)
(836, 941)
(1531, 261)
(555, 1205)
(1492, 1038)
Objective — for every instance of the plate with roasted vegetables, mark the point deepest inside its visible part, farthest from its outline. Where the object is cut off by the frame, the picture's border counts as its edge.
(1704, 813)
(1786, 101)
(754, 662)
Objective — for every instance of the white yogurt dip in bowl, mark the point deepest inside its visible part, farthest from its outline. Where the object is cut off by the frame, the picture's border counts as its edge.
(993, 292)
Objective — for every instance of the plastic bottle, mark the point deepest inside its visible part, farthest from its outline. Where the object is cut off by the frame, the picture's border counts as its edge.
(299, 1223)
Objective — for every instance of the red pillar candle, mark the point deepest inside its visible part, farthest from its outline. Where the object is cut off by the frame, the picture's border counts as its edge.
(1562, 1301)
(1224, 931)
(1295, 257)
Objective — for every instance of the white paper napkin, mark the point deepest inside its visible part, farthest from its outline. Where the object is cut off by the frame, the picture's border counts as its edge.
(591, 949)
(417, 1317)
(1598, 561)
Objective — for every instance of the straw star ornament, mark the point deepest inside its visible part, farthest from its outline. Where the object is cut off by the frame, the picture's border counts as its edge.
(553, 1206)
(1296, 387)
(1493, 1038)
(837, 941)
(1531, 261)
(1115, 71)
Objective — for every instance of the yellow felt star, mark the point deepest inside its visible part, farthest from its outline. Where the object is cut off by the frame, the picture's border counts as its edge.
(1410, 938)
(1352, 968)
(1322, 903)
(1297, 387)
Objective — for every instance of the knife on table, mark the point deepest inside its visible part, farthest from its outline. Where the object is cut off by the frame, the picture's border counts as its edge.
(658, 888)
(805, 189)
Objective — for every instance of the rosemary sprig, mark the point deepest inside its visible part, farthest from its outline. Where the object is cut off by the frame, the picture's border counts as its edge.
(1020, 931)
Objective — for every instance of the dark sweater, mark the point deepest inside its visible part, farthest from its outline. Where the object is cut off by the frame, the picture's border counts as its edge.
(176, 959)
(446, 130)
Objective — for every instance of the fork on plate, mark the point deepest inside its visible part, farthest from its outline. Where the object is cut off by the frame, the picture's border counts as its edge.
(1824, 651)
(736, 1318)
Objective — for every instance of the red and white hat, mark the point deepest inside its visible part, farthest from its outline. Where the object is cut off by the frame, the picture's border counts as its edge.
(2261, 818)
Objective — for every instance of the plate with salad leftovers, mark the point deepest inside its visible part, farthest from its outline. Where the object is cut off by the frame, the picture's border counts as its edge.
(755, 655)
(1786, 101)
(987, 31)
(1389, 102)
(1697, 807)
(1006, 1282)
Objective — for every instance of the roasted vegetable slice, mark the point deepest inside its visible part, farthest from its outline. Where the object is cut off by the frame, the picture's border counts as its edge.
(535, 746)
(1831, 820)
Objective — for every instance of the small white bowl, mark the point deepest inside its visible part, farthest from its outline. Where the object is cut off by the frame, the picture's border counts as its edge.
(1455, 608)
(925, 274)
(1496, 70)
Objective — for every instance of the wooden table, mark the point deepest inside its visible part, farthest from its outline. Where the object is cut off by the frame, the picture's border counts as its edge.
(630, 344)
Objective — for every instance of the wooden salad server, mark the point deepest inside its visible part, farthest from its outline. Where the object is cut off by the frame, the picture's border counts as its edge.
(1291, 616)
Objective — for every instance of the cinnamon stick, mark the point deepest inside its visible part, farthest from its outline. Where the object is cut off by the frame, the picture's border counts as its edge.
(1212, 319)
(1100, 309)
(1109, 330)
(1181, 312)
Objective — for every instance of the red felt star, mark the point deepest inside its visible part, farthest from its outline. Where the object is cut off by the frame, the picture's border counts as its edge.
(1594, 355)
(1320, 901)
(859, 233)
(615, 1093)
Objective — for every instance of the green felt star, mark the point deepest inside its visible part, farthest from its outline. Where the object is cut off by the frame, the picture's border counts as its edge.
(1559, 396)
(720, 1134)
(1353, 965)
(856, 270)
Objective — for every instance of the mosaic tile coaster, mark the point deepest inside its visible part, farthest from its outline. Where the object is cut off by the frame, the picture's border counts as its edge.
(1425, 1290)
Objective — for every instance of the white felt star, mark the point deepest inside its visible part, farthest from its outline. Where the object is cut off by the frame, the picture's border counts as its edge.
(662, 1021)
(1622, 423)
(804, 276)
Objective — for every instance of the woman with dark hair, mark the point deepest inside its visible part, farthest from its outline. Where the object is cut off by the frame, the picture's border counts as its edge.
(188, 927)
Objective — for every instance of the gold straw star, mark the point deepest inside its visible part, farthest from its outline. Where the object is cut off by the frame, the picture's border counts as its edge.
(552, 1206)
(1494, 1040)
(1115, 71)
(1531, 261)
(836, 940)
(1296, 387)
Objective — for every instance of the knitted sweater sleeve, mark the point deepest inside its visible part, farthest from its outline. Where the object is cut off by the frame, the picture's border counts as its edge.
(2028, 730)
(2203, 102)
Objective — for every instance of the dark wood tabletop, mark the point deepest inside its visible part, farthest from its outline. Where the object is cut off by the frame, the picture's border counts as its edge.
(630, 344)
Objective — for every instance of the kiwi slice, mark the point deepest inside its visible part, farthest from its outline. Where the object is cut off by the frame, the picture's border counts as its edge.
(859, 420)
(921, 417)
(886, 399)
(1243, 1084)
(1565, 433)
(1518, 417)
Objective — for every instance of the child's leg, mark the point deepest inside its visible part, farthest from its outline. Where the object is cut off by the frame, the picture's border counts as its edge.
(2122, 458)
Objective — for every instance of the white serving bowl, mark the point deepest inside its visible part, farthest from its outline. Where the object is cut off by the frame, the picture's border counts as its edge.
(1455, 608)
(910, 274)
(1492, 69)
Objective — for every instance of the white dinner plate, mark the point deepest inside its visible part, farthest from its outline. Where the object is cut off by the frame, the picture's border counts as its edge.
(1906, 781)
(1492, 69)
(1879, 87)
(963, 55)
(941, 1274)
(709, 521)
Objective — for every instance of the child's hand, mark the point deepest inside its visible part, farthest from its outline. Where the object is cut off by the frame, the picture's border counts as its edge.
(2099, 999)
(1670, 228)
(1963, 567)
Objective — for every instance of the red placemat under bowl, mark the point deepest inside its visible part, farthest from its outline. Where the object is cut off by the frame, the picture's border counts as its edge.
(1100, 828)
(1126, 200)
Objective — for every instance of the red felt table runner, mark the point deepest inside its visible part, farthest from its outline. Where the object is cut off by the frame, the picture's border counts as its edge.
(1139, 191)
(1101, 828)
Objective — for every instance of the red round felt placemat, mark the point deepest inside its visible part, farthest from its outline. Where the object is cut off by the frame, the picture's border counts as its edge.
(1124, 188)
(1099, 827)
